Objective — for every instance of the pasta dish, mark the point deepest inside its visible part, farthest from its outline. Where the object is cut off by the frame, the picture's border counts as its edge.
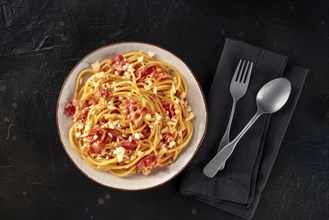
(130, 114)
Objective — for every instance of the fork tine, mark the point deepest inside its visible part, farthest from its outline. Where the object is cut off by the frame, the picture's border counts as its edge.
(247, 77)
(244, 73)
(237, 70)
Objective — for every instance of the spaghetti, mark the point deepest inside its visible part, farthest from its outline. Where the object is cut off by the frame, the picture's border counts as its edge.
(130, 114)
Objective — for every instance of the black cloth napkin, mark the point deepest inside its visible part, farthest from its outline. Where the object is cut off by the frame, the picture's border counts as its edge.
(237, 189)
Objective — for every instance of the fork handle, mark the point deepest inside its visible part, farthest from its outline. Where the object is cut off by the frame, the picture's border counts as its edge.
(226, 137)
(214, 165)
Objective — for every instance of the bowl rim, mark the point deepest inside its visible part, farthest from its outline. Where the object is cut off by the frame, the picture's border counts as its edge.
(179, 171)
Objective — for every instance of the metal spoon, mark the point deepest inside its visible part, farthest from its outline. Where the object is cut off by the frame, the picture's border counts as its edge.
(270, 98)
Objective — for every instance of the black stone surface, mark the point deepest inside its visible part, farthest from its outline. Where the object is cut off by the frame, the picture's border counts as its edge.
(42, 40)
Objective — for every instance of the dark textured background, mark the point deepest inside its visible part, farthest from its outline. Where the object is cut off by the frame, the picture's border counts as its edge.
(42, 40)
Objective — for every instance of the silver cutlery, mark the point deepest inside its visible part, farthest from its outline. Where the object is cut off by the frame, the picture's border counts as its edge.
(238, 88)
(270, 98)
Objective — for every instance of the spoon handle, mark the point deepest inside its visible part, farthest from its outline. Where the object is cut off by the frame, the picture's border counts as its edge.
(215, 164)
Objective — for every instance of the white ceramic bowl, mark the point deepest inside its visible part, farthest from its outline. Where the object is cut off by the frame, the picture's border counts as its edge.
(134, 182)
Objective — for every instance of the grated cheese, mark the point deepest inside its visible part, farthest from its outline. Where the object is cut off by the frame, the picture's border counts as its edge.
(172, 123)
(151, 54)
(190, 116)
(139, 153)
(95, 84)
(80, 125)
(111, 125)
(120, 151)
(173, 88)
(183, 95)
(96, 66)
(147, 87)
(78, 134)
(164, 130)
(136, 135)
(164, 149)
(172, 144)
(158, 116)
(87, 127)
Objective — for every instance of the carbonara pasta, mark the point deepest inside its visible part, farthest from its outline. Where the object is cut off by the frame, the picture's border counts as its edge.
(130, 114)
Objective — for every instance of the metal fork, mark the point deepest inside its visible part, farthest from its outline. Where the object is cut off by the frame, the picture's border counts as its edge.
(238, 89)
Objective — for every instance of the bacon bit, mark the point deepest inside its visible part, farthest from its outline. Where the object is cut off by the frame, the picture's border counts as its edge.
(115, 133)
(166, 137)
(129, 145)
(95, 133)
(96, 146)
(111, 61)
(185, 101)
(103, 120)
(93, 149)
(148, 163)
(105, 68)
(69, 109)
(166, 105)
(178, 93)
(118, 63)
(127, 106)
(143, 74)
(146, 132)
(85, 113)
(91, 101)
(170, 134)
(169, 108)
(149, 71)
(105, 92)
(96, 141)
(134, 108)
(127, 110)
(77, 103)
(155, 72)
(158, 76)
(133, 111)
(120, 57)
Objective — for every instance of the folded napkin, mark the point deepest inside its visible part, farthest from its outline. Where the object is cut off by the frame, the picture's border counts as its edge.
(237, 188)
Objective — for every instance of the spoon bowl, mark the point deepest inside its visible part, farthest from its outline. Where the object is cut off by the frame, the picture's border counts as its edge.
(273, 95)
